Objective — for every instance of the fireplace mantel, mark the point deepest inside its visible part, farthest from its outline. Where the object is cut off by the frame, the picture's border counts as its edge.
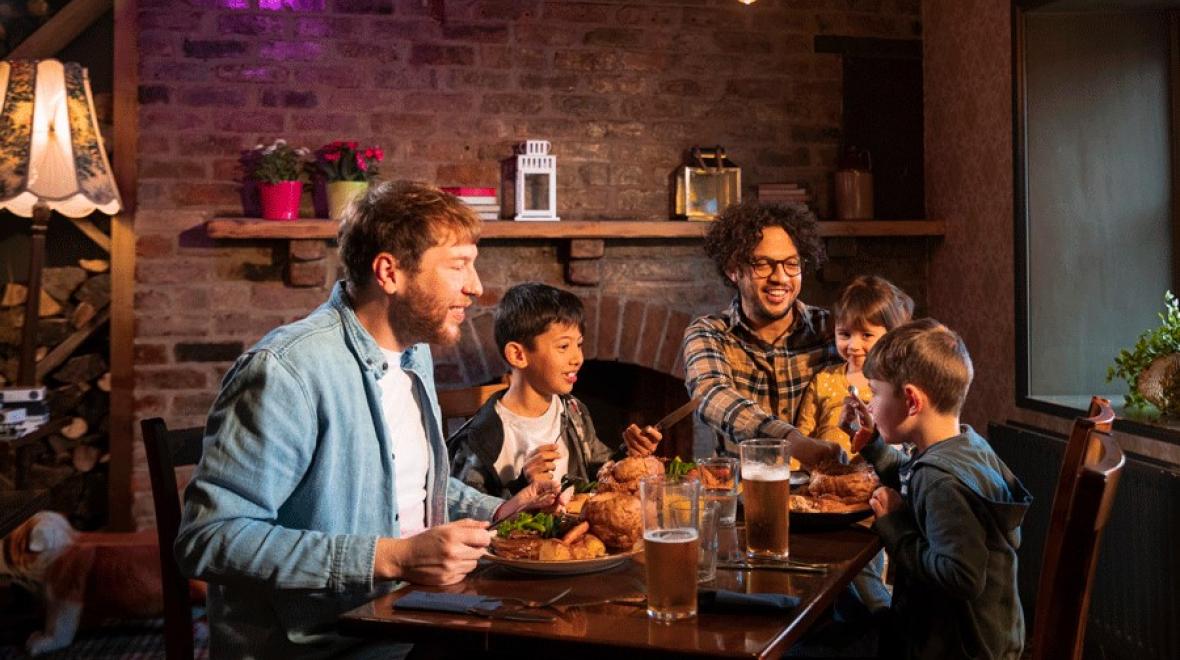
(253, 228)
(587, 238)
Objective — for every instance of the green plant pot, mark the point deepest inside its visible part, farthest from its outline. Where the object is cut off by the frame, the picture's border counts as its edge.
(341, 194)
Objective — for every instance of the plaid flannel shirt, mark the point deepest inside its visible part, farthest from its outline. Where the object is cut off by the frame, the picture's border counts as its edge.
(751, 388)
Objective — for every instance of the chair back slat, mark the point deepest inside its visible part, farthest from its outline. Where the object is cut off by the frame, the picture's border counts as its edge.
(166, 450)
(1071, 551)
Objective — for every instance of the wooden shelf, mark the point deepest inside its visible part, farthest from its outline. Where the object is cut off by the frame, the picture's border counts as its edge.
(253, 228)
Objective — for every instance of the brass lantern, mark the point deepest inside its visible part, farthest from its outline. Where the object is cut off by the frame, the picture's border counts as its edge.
(707, 184)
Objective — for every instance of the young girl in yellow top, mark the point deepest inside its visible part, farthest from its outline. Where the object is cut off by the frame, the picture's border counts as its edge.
(868, 307)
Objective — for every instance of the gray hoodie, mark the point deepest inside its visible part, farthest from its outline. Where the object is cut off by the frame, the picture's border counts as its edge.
(954, 544)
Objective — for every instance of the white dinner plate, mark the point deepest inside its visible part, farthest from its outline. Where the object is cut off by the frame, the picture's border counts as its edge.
(563, 567)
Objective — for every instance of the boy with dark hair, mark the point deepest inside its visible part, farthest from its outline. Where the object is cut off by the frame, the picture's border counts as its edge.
(535, 430)
(950, 513)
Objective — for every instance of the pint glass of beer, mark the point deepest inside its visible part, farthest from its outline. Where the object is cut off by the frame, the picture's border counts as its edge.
(671, 546)
(766, 484)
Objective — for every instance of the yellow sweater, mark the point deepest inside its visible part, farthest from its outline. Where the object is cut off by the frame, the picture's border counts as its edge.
(819, 411)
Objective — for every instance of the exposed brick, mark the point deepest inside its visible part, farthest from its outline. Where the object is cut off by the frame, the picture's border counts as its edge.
(151, 168)
(577, 60)
(587, 248)
(608, 327)
(289, 99)
(151, 94)
(517, 104)
(616, 38)
(205, 194)
(582, 106)
(590, 321)
(251, 24)
(353, 50)
(215, 49)
(293, 5)
(755, 88)
(438, 55)
(289, 51)
(517, 11)
(251, 122)
(307, 273)
(325, 122)
(364, 6)
(320, 27)
(145, 354)
(170, 378)
(653, 333)
(438, 102)
(306, 250)
(184, 405)
(384, 122)
(480, 173)
(681, 87)
(576, 12)
(224, 351)
(673, 336)
(209, 145)
(272, 73)
(203, 97)
(558, 83)
(173, 72)
(584, 272)
(477, 79)
(483, 33)
(630, 330)
(798, 157)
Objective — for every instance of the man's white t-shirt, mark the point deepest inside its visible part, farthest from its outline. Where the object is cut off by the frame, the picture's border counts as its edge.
(411, 451)
(524, 434)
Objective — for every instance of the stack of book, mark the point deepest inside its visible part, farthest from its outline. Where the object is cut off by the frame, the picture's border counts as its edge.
(483, 200)
(785, 193)
(22, 411)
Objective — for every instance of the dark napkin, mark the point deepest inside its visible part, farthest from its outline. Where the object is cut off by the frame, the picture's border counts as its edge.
(440, 602)
(720, 600)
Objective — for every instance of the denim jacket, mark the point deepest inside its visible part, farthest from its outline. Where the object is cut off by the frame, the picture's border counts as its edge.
(297, 483)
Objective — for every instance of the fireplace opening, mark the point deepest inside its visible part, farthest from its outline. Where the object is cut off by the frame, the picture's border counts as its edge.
(618, 394)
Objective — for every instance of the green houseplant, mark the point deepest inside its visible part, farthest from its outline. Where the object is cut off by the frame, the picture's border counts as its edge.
(277, 169)
(1152, 367)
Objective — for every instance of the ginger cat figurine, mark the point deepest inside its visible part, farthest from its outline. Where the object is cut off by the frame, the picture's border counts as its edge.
(83, 577)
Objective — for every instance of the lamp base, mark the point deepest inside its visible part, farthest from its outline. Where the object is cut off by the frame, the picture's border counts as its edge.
(27, 372)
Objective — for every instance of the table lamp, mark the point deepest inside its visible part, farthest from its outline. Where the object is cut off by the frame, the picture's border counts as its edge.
(51, 159)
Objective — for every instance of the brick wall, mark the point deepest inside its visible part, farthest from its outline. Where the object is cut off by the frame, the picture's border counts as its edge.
(621, 89)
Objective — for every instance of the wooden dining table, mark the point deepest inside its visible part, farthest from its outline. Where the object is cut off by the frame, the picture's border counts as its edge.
(623, 628)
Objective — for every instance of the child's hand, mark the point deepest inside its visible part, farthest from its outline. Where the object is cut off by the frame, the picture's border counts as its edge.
(641, 442)
(540, 463)
(854, 415)
(885, 501)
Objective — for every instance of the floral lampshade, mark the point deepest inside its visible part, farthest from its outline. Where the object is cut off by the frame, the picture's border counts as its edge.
(50, 148)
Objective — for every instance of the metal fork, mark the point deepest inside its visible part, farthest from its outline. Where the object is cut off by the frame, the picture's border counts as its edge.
(534, 604)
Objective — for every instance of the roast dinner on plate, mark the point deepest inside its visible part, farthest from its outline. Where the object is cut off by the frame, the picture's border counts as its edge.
(836, 488)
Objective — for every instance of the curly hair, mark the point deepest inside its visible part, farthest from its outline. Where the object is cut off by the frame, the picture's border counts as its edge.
(737, 231)
(403, 218)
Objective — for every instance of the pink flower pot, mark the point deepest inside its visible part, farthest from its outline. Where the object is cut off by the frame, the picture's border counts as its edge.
(280, 201)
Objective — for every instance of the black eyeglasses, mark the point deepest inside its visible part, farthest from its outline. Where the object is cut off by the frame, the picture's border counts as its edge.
(792, 266)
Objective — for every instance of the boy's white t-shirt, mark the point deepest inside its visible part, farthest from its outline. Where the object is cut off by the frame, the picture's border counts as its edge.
(524, 434)
(411, 451)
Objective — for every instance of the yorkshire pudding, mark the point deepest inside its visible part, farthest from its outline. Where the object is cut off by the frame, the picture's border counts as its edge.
(616, 518)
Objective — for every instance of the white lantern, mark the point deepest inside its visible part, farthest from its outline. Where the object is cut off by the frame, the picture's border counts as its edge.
(534, 174)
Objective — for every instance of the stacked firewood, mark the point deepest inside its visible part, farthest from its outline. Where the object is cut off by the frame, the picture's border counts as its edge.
(72, 348)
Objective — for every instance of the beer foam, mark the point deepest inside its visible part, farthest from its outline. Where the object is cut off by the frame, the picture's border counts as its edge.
(755, 472)
(678, 535)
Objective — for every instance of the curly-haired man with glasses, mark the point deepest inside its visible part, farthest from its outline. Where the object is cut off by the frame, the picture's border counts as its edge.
(750, 364)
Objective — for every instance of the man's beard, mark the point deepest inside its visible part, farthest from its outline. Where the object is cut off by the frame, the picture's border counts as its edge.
(418, 317)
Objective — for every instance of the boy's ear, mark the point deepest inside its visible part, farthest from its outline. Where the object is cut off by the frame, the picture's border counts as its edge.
(915, 399)
(515, 356)
(386, 274)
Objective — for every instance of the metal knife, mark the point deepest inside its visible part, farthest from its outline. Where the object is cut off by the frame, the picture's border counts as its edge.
(789, 568)
(678, 414)
(512, 615)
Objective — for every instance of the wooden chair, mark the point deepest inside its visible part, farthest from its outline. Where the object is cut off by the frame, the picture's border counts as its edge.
(1081, 508)
(167, 450)
(465, 402)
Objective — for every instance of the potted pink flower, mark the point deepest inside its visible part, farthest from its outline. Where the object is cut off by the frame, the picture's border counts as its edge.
(277, 169)
(347, 170)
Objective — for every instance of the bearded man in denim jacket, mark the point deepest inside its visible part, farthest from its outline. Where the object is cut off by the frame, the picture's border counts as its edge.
(324, 480)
